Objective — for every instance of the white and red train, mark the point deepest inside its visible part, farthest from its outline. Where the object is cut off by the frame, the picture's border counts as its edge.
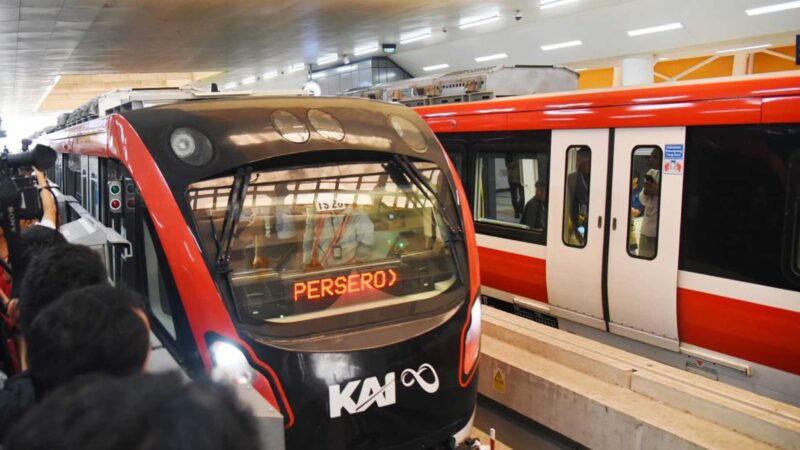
(707, 277)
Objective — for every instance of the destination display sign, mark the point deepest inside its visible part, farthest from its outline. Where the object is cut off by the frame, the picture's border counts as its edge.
(325, 288)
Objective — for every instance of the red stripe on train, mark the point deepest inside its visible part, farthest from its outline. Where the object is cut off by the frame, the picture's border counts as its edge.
(757, 333)
(521, 275)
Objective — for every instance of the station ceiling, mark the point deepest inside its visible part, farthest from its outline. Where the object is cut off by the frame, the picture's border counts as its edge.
(41, 40)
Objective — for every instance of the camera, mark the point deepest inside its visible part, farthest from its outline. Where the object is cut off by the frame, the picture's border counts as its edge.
(17, 183)
(518, 15)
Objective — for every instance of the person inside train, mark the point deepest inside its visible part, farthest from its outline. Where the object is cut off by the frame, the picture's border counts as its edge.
(515, 184)
(534, 215)
(637, 209)
(94, 329)
(578, 197)
(648, 236)
(138, 412)
(337, 237)
(279, 241)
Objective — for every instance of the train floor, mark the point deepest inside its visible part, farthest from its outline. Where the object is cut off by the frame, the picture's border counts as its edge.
(514, 431)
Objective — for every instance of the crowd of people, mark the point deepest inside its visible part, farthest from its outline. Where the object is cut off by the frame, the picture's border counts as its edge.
(73, 358)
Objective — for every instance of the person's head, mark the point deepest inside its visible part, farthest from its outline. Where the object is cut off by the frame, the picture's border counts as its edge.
(35, 239)
(541, 190)
(654, 160)
(55, 271)
(583, 160)
(651, 180)
(94, 329)
(635, 181)
(141, 412)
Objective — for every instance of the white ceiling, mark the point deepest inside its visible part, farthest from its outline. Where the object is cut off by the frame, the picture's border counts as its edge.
(41, 39)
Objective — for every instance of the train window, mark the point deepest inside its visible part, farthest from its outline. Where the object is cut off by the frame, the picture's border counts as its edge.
(456, 150)
(323, 241)
(645, 199)
(576, 196)
(511, 190)
(157, 293)
(736, 190)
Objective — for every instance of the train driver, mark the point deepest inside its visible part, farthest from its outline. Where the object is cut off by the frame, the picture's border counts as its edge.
(338, 237)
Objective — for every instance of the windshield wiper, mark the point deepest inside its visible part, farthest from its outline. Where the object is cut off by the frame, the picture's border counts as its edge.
(455, 233)
(234, 210)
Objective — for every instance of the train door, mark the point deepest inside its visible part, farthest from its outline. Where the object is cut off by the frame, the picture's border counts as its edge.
(643, 246)
(575, 237)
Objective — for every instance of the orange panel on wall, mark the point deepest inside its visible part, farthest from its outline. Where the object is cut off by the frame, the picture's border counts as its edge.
(595, 79)
(721, 67)
(764, 63)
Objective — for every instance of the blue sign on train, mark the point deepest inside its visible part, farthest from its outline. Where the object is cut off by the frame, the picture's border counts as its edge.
(673, 159)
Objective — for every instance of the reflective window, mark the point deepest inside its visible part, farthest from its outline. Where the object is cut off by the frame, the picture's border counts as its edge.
(576, 196)
(645, 199)
(318, 241)
(511, 190)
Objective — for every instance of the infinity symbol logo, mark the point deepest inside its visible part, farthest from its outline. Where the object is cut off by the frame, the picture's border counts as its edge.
(410, 376)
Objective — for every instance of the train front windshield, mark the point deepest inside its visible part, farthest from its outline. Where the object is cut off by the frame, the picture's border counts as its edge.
(320, 241)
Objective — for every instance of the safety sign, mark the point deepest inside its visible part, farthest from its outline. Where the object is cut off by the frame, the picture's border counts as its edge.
(673, 159)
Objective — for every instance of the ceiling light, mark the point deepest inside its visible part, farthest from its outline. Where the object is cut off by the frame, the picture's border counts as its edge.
(561, 45)
(295, 68)
(491, 57)
(270, 74)
(327, 59)
(581, 69)
(772, 8)
(248, 80)
(358, 51)
(475, 21)
(656, 29)
(663, 58)
(230, 85)
(545, 4)
(741, 49)
(389, 49)
(436, 67)
(346, 68)
(415, 36)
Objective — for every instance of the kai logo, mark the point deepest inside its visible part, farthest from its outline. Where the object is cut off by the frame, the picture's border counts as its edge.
(370, 391)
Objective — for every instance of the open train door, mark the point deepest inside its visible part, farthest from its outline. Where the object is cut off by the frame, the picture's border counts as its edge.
(643, 251)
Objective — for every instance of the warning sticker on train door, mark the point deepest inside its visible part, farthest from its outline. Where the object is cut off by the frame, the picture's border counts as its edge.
(673, 159)
(499, 381)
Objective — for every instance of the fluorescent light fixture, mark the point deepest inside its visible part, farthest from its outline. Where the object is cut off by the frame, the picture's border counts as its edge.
(248, 80)
(230, 85)
(327, 59)
(295, 67)
(663, 58)
(545, 4)
(47, 92)
(470, 22)
(581, 69)
(772, 8)
(358, 51)
(348, 68)
(413, 36)
(656, 29)
(741, 49)
(436, 67)
(269, 74)
(547, 48)
(491, 57)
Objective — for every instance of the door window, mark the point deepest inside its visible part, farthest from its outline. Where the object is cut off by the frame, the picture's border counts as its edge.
(645, 199)
(576, 196)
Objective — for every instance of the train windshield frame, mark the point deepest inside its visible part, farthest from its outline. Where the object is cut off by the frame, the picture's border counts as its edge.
(316, 248)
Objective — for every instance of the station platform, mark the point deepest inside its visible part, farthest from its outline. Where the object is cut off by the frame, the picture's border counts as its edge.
(605, 398)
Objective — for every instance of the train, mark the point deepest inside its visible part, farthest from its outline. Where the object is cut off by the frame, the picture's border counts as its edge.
(661, 219)
(318, 249)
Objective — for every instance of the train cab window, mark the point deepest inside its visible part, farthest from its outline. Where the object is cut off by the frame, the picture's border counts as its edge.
(645, 200)
(511, 190)
(346, 241)
(157, 293)
(456, 150)
(576, 196)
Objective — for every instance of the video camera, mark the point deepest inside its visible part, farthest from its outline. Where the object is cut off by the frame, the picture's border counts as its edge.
(18, 187)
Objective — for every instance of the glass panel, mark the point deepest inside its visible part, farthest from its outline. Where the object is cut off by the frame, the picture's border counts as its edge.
(336, 239)
(511, 190)
(576, 196)
(644, 201)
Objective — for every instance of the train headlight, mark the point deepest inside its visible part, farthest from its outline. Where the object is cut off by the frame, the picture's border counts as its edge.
(472, 340)
(230, 364)
(290, 127)
(191, 146)
(409, 133)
